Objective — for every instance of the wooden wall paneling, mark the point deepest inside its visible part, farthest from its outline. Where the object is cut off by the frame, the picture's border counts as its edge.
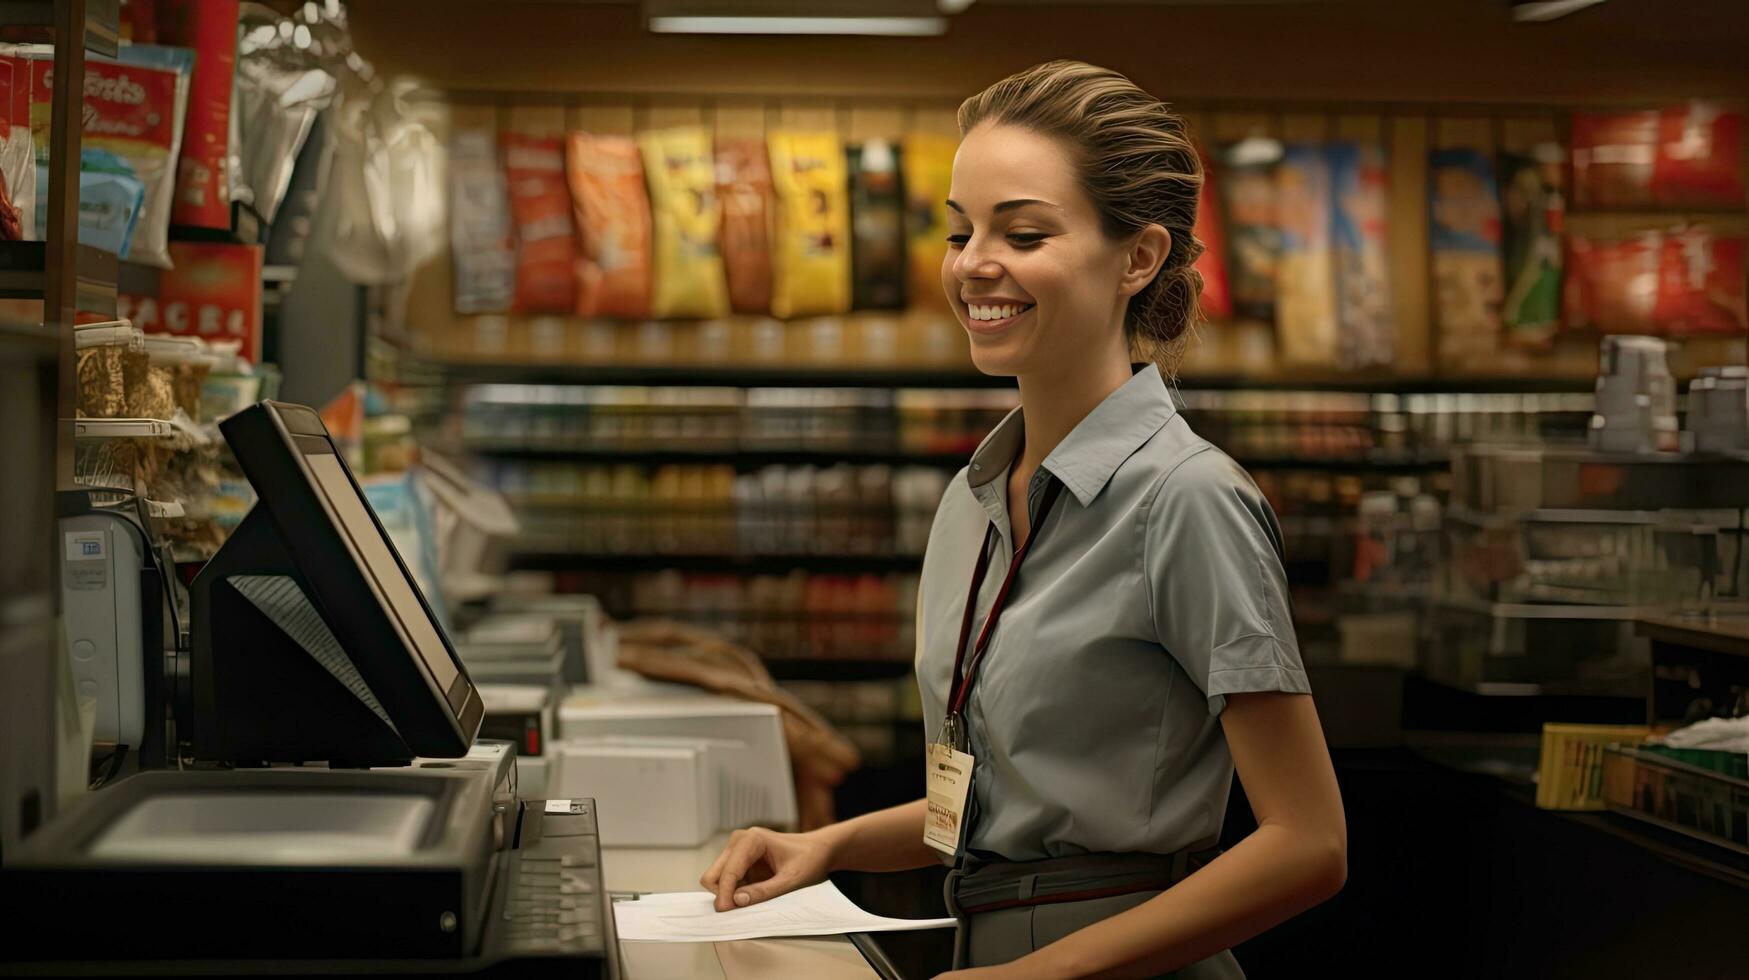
(671, 115)
(1230, 127)
(739, 120)
(1521, 134)
(807, 117)
(1305, 127)
(1360, 129)
(1411, 280)
(536, 120)
(942, 120)
(605, 119)
(875, 122)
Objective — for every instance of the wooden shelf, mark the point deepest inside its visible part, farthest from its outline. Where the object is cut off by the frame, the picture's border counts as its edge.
(102, 22)
(22, 275)
(741, 458)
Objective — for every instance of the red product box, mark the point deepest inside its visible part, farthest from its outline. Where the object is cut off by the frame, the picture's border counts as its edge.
(203, 191)
(1700, 157)
(1613, 156)
(1700, 284)
(214, 293)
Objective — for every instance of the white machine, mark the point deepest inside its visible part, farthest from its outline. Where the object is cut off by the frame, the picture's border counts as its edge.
(104, 611)
(740, 744)
(678, 782)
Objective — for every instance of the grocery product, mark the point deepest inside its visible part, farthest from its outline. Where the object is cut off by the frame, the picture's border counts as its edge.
(744, 188)
(1613, 153)
(1699, 161)
(1700, 283)
(1365, 327)
(1612, 284)
(134, 111)
(926, 164)
(612, 213)
(109, 201)
(1532, 214)
(1464, 234)
(479, 224)
(877, 213)
(17, 156)
(1305, 297)
(1253, 237)
(209, 28)
(213, 292)
(1217, 298)
(546, 247)
(280, 90)
(688, 276)
(811, 244)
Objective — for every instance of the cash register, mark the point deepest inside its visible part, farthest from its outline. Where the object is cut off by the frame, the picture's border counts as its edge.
(332, 811)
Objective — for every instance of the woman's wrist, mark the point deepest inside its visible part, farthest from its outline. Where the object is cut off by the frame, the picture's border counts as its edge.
(835, 837)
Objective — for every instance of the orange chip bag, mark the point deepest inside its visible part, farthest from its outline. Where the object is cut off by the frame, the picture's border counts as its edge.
(606, 175)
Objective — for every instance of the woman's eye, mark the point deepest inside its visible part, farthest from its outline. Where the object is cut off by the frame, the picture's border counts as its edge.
(1026, 239)
(958, 241)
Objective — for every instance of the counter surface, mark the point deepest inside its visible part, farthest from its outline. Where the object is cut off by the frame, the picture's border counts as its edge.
(661, 869)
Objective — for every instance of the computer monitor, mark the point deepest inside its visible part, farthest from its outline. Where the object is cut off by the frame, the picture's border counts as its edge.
(311, 638)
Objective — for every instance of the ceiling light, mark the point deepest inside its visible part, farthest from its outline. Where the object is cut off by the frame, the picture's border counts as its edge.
(885, 26)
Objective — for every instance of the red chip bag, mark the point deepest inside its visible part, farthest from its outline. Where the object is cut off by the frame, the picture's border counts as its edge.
(606, 177)
(1217, 301)
(1612, 285)
(1700, 284)
(546, 249)
(1699, 162)
(1613, 156)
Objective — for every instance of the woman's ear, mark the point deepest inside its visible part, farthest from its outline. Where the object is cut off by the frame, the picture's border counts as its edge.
(1147, 253)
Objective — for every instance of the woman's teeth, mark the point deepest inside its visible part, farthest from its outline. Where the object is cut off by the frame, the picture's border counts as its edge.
(996, 312)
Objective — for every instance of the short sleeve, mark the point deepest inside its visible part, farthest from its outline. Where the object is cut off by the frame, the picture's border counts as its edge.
(1211, 555)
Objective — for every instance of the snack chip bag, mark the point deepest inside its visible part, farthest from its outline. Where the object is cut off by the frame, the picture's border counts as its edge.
(479, 224)
(133, 110)
(209, 27)
(1217, 299)
(612, 210)
(1253, 235)
(546, 249)
(811, 253)
(877, 216)
(1464, 234)
(744, 188)
(1305, 315)
(17, 156)
(1365, 324)
(689, 278)
(1699, 163)
(1532, 214)
(927, 166)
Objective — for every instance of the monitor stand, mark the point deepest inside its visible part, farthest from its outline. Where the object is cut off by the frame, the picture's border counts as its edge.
(269, 681)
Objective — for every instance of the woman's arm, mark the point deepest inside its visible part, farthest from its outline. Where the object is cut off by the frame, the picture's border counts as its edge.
(761, 864)
(885, 840)
(1297, 858)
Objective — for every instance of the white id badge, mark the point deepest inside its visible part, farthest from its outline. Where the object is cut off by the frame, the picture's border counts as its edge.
(948, 783)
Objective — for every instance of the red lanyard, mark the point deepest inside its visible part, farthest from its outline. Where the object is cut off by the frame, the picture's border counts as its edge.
(962, 686)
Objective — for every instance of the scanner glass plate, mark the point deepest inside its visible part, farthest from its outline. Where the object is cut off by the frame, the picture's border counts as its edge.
(265, 829)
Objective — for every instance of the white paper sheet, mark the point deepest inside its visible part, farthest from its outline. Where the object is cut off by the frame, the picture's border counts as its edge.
(691, 917)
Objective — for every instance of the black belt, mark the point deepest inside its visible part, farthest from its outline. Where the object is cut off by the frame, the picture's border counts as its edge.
(978, 886)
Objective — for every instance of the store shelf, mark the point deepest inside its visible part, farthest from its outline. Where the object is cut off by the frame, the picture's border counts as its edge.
(28, 335)
(743, 458)
(22, 274)
(1394, 462)
(748, 376)
(123, 429)
(832, 669)
(102, 22)
(572, 561)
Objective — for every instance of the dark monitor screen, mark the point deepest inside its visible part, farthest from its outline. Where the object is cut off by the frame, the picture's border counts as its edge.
(358, 583)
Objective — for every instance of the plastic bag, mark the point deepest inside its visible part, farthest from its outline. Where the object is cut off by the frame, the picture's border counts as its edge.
(1305, 277)
(811, 250)
(1612, 285)
(1700, 157)
(385, 206)
(479, 225)
(110, 197)
(877, 227)
(1365, 321)
(1613, 155)
(279, 92)
(17, 155)
(612, 212)
(1700, 284)
(689, 279)
(1253, 235)
(744, 188)
(134, 110)
(927, 165)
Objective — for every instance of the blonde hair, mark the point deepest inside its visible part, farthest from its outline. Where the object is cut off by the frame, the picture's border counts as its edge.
(1138, 165)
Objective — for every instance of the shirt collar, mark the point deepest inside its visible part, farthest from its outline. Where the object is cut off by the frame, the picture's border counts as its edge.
(1095, 448)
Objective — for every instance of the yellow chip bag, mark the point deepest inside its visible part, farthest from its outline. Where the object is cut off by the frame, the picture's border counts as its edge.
(681, 172)
(927, 164)
(811, 242)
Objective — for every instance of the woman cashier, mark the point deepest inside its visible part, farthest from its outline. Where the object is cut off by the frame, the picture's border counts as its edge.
(1125, 642)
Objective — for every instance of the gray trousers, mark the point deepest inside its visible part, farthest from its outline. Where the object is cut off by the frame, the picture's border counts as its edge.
(1003, 935)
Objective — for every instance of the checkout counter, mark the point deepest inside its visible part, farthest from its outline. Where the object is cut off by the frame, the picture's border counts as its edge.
(330, 809)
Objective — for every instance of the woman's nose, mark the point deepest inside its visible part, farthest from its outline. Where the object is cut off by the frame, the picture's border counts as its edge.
(972, 263)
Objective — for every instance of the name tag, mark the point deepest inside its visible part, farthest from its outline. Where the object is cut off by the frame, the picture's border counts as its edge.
(948, 784)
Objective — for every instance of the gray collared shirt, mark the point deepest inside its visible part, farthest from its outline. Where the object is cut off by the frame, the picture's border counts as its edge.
(1154, 590)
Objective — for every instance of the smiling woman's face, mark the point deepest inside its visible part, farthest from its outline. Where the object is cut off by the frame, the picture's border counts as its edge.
(1029, 271)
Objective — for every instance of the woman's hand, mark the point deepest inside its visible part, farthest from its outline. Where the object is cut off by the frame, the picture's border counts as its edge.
(761, 864)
